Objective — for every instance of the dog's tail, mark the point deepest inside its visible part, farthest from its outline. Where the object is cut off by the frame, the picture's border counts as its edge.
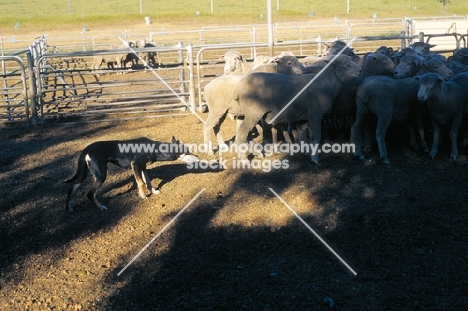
(69, 181)
(81, 172)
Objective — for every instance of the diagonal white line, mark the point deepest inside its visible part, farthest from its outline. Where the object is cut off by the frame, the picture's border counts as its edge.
(160, 232)
(312, 230)
(164, 82)
(311, 81)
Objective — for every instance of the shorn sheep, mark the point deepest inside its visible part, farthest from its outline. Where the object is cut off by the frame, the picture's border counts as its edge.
(447, 102)
(120, 59)
(261, 96)
(218, 96)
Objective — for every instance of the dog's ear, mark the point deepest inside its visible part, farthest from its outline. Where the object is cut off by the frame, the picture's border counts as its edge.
(176, 141)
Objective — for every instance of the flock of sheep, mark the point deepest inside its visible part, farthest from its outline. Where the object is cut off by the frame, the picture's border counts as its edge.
(122, 59)
(283, 93)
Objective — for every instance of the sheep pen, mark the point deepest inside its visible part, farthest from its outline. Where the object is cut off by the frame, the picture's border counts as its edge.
(402, 229)
(233, 244)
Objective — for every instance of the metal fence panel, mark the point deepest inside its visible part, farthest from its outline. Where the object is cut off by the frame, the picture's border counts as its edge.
(14, 103)
(445, 34)
(69, 89)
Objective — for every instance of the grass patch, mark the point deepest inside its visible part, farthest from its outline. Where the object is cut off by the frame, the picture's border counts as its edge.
(40, 15)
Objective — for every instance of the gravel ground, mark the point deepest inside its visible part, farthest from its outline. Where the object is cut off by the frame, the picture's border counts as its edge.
(401, 228)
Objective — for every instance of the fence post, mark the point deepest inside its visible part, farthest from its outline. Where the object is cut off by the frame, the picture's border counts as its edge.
(191, 78)
(421, 36)
(319, 45)
(254, 39)
(202, 37)
(180, 60)
(83, 40)
(270, 29)
(403, 40)
(33, 89)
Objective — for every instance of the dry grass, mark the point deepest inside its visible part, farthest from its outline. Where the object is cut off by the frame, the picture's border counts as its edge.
(57, 14)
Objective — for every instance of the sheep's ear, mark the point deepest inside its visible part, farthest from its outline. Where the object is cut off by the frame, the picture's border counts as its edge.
(416, 78)
(278, 60)
(439, 78)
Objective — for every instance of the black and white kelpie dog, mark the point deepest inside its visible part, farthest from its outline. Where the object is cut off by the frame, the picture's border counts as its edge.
(94, 158)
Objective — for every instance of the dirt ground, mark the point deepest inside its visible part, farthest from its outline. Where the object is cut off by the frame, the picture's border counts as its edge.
(401, 228)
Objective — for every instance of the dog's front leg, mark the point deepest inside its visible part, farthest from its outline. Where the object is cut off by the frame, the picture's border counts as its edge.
(137, 172)
(147, 181)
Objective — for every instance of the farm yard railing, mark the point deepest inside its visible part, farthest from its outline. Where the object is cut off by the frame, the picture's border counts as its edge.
(14, 102)
(70, 88)
(95, 39)
(66, 87)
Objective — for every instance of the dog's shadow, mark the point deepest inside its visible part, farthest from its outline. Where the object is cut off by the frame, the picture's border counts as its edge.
(161, 175)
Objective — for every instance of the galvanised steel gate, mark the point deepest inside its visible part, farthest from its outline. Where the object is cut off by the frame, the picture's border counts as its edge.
(14, 101)
(71, 90)
(46, 86)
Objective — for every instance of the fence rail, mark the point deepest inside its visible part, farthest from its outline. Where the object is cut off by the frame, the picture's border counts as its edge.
(54, 78)
(80, 93)
(14, 96)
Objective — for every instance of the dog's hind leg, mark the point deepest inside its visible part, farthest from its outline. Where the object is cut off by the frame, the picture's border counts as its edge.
(71, 192)
(147, 180)
(78, 178)
(138, 173)
(99, 171)
(92, 197)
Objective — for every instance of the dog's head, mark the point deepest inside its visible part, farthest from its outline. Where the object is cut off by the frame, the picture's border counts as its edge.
(184, 152)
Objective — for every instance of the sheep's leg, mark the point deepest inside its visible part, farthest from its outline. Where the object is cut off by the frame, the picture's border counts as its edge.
(213, 123)
(412, 133)
(369, 132)
(283, 127)
(424, 146)
(420, 114)
(294, 128)
(413, 141)
(435, 140)
(286, 135)
(206, 137)
(302, 129)
(315, 125)
(242, 134)
(357, 132)
(380, 132)
(274, 135)
(289, 134)
(454, 135)
(264, 130)
(259, 127)
(465, 139)
(159, 59)
(219, 136)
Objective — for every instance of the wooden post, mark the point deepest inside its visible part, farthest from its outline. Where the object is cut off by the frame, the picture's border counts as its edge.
(270, 29)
